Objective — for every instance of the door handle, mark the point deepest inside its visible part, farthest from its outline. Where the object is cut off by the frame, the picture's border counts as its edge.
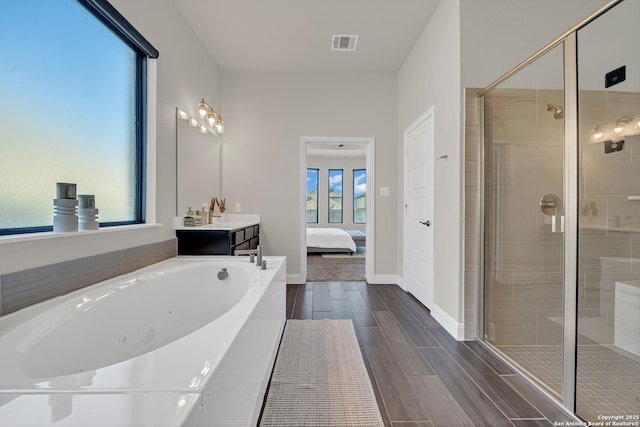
(427, 223)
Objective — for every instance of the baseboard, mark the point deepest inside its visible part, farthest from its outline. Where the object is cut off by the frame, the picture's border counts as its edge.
(455, 329)
(385, 279)
(295, 279)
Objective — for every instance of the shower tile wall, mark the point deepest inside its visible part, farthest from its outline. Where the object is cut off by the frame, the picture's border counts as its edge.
(527, 297)
(472, 213)
(609, 246)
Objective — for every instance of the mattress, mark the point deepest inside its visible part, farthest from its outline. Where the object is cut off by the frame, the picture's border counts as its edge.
(329, 238)
(359, 237)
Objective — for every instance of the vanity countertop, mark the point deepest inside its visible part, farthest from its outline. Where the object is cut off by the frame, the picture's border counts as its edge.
(227, 222)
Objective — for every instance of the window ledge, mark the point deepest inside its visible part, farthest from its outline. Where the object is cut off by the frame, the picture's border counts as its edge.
(17, 238)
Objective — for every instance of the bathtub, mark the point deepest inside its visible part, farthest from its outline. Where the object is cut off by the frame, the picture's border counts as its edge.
(167, 345)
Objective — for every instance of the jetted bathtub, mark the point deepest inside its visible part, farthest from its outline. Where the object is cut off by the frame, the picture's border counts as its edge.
(167, 345)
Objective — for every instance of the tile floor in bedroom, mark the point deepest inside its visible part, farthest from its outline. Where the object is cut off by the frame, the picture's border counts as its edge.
(423, 377)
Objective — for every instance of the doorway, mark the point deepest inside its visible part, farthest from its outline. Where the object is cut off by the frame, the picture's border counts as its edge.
(340, 203)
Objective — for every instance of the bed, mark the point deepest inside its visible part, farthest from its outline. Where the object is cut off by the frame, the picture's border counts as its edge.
(359, 237)
(326, 240)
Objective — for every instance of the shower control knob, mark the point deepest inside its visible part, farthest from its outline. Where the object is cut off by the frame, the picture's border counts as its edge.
(427, 223)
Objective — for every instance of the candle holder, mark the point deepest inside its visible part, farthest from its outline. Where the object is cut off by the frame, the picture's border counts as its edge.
(64, 215)
(87, 212)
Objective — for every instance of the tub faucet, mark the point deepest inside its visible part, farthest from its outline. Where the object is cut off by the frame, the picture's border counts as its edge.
(251, 252)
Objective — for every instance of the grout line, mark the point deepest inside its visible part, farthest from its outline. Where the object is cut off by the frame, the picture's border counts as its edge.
(295, 300)
(374, 383)
(481, 359)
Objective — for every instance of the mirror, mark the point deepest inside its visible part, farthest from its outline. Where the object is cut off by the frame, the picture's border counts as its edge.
(197, 164)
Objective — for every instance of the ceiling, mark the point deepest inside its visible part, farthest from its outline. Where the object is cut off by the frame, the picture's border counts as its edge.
(295, 35)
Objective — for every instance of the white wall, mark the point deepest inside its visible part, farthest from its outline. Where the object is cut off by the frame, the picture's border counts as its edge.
(265, 116)
(431, 77)
(497, 35)
(185, 74)
(608, 43)
(347, 164)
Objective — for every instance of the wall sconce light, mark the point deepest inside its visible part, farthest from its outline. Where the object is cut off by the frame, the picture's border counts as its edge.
(626, 126)
(213, 117)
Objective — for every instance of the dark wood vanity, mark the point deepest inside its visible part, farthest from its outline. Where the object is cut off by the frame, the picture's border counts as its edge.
(217, 240)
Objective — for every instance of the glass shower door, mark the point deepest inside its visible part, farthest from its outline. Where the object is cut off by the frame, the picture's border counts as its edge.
(524, 218)
(608, 353)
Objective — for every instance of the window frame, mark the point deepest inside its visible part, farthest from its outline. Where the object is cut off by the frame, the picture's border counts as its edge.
(317, 171)
(353, 176)
(329, 197)
(143, 50)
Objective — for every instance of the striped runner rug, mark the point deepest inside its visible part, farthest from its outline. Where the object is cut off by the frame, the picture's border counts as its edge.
(320, 379)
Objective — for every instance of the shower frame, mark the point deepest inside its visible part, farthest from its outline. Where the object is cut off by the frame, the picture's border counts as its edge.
(570, 197)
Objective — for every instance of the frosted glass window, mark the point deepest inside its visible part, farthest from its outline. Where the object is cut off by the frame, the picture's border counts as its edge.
(335, 196)
(69, 104)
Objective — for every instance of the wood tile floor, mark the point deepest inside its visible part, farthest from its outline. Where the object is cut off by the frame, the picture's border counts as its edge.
(423, 377)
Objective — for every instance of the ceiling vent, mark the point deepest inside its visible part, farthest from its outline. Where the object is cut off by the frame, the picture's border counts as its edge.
(344, 42)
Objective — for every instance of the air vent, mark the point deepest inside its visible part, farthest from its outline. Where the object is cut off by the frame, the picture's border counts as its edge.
(344, 42)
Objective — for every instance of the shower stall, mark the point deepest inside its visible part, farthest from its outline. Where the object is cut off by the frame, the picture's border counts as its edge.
(560, 164)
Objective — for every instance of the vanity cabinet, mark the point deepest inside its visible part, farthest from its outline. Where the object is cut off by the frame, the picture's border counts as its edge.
(199, 241)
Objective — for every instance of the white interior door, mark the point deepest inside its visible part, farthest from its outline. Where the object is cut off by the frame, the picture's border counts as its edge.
(418, 212)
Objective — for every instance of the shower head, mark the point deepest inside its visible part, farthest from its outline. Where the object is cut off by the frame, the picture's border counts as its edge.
(558, 112)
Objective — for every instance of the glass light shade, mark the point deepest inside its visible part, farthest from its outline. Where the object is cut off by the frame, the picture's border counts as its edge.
(193, 122)
(596, 135)
(220, 126)
(203, 129)
(182, 115)
(211, 118)
(202, 109)
(617, 130)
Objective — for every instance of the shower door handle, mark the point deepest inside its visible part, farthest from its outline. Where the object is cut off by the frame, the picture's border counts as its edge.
(427, 223)
(551, 207)
(557, 223)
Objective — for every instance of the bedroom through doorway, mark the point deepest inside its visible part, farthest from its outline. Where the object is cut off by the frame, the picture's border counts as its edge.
(337, 212)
